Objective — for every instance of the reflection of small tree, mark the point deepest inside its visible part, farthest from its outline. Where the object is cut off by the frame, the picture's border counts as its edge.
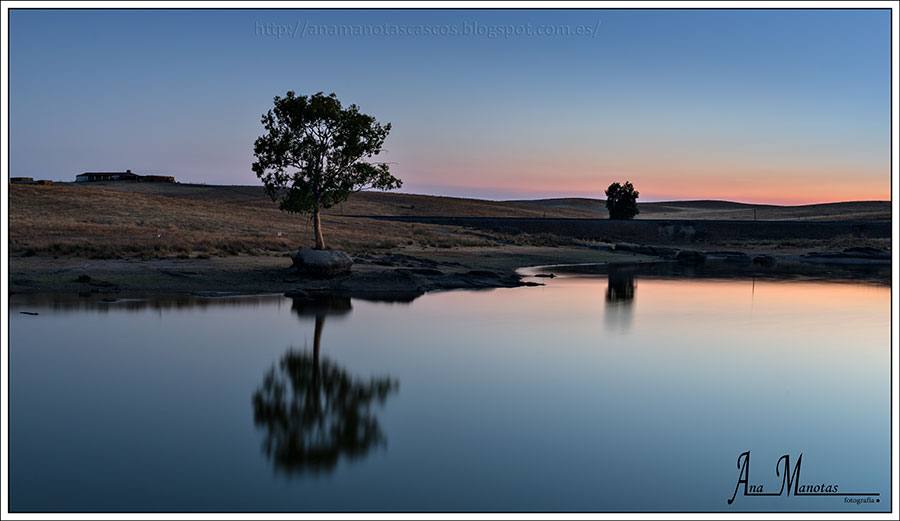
(620, 286)
(620, 291)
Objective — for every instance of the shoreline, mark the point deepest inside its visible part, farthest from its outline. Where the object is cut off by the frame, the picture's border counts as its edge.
(402, 276)
(399, 276)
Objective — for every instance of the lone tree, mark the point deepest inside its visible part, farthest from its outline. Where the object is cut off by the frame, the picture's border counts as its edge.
(621, 201)
(313, 155)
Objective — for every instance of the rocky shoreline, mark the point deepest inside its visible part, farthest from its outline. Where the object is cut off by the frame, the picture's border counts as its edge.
(377, 276)
(856, 263)
(404, 277)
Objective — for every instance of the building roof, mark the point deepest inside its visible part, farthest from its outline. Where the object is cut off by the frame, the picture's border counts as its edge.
(128, 172)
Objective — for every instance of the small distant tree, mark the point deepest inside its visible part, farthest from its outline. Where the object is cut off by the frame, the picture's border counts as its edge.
(313, 155)
(621, 201)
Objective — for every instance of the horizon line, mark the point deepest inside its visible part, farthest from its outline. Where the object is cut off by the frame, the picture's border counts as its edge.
(519, 199)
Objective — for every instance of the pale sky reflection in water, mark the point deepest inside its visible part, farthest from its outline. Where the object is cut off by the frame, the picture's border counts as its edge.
(549, 398)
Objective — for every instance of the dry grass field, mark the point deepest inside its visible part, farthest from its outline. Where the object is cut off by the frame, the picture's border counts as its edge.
(108, 221)
(154, 221)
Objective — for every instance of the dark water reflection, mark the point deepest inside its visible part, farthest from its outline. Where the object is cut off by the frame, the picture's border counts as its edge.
(615, 392)
(313, 410)
(620, 293)
(620, 286)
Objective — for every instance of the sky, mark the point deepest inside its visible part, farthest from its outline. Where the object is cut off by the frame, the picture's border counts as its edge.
(770, 106)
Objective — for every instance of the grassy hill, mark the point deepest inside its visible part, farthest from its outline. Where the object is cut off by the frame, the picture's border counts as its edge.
(141, 220)
(852, 210)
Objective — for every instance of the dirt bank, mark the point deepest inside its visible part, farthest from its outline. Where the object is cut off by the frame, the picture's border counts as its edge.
(400, 276)
(389, 276)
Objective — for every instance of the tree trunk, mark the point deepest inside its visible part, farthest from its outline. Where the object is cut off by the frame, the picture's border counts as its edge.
(314, 392)
(317, 230)
(317, 339)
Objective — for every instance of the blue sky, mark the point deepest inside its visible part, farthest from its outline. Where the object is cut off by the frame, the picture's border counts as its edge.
(753, 105)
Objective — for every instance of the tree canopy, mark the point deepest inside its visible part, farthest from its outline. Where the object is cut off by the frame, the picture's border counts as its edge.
(621, 201)
(314, 154)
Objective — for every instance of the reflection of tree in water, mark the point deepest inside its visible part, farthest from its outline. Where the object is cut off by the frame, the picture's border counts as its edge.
(314, 412)
(620, 286)
(620, 290)
(320, 306)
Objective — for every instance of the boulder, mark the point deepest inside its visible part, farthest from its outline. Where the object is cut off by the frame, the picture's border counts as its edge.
(322, 263)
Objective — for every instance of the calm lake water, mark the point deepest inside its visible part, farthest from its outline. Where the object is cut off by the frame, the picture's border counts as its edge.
(588, 394)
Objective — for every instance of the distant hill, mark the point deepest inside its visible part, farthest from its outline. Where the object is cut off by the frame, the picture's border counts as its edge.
(851, 210)
(152, 219)
(596, 208)
(392, 203)
(712, 209)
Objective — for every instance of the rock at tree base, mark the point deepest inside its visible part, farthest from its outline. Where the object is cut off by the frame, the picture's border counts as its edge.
(322, 263)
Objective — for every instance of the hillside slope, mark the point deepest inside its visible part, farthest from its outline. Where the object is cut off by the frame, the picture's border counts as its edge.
(141, 220)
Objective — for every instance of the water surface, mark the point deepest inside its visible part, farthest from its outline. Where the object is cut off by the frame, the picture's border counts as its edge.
(588, 394)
